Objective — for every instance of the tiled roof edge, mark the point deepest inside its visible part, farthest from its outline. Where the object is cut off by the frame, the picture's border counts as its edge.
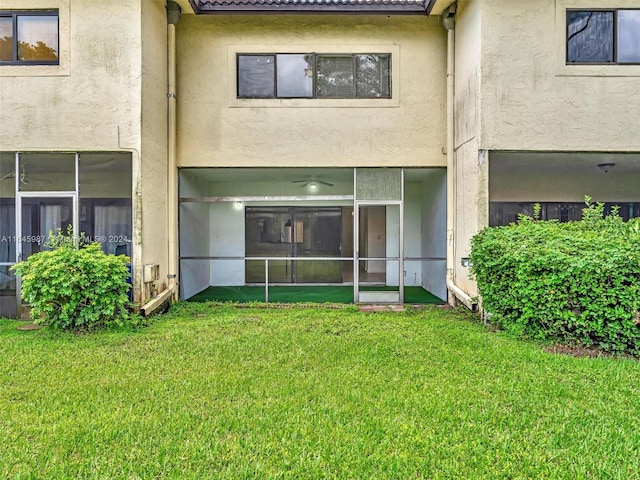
(314, 6)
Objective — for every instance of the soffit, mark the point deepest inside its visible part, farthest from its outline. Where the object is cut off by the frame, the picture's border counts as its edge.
(361, 7)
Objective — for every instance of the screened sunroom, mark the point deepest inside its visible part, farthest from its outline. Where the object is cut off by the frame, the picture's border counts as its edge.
(41, 192)
(367, 235)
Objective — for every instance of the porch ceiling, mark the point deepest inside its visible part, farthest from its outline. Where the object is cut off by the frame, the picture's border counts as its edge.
(267, 175)
(285, 175)
(563, 163)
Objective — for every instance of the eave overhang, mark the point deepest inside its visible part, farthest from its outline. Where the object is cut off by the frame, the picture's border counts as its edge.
(313, 7)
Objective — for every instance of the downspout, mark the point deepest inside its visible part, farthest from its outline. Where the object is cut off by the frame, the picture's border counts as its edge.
(455, 292)
(174, 13)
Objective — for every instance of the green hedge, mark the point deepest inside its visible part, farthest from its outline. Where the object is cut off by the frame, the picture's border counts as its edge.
(75, 286)
(575, 282)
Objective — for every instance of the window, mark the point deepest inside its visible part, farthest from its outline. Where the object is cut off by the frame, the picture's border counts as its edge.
(29, 37)
(603, 36)
(314, 75)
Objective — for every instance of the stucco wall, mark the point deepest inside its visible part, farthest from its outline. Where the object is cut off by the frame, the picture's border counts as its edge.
(471, 167)
(532, 100)
(102, 97)
(152, 181)
(216, 129)
(92, 101)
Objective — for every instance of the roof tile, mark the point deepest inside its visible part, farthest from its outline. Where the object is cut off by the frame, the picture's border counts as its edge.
(313, 6)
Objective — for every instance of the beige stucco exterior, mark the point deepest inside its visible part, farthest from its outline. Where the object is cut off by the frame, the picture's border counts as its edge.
(470, 166)
(513, 92)
(532, 100)
(107, 94)
(216, 129)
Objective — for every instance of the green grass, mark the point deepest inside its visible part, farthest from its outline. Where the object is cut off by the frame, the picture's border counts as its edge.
(223, 392)
(303, 294)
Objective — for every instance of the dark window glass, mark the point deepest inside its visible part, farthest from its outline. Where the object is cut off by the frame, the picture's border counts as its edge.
(256, 76)
(373, 76)
(293, 232)
(295, 75)
(314, 76)
(6, 39)
(628, 36)
(590, 37)
(334, 76)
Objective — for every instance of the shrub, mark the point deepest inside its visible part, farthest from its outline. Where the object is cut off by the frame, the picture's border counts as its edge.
(577, 282)
(75, 286)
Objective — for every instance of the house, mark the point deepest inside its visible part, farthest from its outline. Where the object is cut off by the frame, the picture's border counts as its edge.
(227, 143)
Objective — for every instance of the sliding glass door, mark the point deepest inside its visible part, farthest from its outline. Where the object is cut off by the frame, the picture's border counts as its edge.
(286, 235)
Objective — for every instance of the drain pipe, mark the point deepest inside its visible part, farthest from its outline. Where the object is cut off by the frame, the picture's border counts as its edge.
(455, 292)
(174, 13)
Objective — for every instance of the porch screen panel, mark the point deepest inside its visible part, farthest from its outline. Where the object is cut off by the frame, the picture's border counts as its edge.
(40, 172)
(7, 207)
(268, 233)
(379, 184)
(7, 234)
(293, 232)
(105, 200)
(318, 233)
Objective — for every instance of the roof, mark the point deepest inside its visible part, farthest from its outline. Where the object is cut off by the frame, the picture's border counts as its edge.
(362, 7)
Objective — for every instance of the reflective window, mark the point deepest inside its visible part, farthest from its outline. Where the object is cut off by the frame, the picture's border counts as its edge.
(611, 36)
(294, 232)
(335, 76)
(36, 39)
(6, 39)
(295, 76)
(314, 76)
(373, 76)
(629, 36)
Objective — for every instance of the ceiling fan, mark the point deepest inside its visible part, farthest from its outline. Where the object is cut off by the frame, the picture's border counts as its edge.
(313, 181)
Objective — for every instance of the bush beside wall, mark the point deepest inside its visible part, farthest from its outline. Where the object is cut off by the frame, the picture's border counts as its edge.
(75, 288)
(576, 282)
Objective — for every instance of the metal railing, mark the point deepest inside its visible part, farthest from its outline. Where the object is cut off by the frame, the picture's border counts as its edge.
(267, 260)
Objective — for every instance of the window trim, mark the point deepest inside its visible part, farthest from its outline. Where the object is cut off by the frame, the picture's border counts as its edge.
(614, 11)
(314, 95)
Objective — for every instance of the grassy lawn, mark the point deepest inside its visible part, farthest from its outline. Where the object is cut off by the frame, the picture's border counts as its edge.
(219, 392)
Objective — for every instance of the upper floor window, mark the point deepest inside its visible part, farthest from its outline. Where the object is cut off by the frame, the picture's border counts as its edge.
(29, 37)
(314, 75)
(603, 36)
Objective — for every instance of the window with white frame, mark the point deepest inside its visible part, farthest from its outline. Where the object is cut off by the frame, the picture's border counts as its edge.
(29, 37)
(314, 75)
(603, 36)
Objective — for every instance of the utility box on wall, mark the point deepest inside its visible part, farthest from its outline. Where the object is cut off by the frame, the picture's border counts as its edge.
(150, 272)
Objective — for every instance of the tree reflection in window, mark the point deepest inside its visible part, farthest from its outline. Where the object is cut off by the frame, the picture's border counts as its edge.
(590, 36)
(373, 76)
(35, 41)
(598, 36)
